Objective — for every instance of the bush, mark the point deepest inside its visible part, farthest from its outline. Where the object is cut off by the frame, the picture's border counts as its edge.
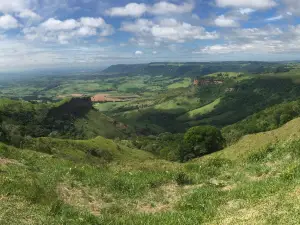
(165, 145)
(201, 140)
(183, 179)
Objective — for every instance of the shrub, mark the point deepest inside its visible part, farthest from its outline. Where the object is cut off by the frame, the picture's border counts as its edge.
(262, 154)
(201, 140)
(183, 179)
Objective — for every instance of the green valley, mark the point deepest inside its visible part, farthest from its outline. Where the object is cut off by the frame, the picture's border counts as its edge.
(159, 143)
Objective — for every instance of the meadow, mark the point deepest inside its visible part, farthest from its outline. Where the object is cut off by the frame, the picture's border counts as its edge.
(60, 181)
(65, 159)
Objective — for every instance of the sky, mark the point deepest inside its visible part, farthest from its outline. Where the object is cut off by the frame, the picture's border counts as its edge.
(98, 33)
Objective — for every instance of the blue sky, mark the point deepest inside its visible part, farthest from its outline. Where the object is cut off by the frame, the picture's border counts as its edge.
(59, 33)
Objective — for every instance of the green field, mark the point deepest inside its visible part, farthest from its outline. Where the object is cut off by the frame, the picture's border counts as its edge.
(107, 106)
(225, 75)
(180, 103)
(132, 84)
(182, 84)
(196, 113)
(54, 87)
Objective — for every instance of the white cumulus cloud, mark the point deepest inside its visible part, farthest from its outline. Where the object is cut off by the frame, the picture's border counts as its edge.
(267, 40)
(29, 14)
(92, 22)
(254, 4)
(222, 21)
(138, 53)
(159, 8)
(275, 18)
(258, 46)
(246, 34)
(223, 49)
(8, 22)
(246, 11)
(86, 31)
(162, 8)
(292, 6)
(63, 31)
(167, 30)
(131, 9)
(8, 6)
(55, 25)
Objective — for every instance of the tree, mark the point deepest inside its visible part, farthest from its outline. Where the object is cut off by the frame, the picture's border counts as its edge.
(201, 140)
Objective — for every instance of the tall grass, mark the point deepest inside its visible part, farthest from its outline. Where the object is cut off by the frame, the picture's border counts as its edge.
(42, 188)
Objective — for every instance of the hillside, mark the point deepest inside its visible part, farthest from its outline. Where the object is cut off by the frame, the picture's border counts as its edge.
(248, 97)
(122, 68)
(105, 150)
(196, 113)
(134, 188)
(267, 119)
(255, 142)
(191, 68)
(138, 155)
(220, 105)
(70, 118)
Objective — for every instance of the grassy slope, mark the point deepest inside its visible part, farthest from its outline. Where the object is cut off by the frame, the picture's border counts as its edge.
(224, 74)
(265, 120)
(99, 149)
(242, 184)
(182, 84)
(254, 142)
(178, 104)
(84, 122)
(96, 123)
(108, 106)
(200, 111)
(158, 112)
(70, 118)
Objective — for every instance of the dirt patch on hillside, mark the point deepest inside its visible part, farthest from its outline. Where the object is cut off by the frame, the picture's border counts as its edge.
(4, 161)
(258, 177)
(83, 198)
(71, 95)
(168, 195)
(3, 198)
(101, 97)
(229, 187)
(165, 198)
(295, 193)
(109, 98)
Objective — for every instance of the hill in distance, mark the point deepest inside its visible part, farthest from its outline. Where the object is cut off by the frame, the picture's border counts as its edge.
(191, 68)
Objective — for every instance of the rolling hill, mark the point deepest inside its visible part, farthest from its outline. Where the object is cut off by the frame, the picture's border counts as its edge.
(191, 69)
(133, 163)
(71, 118)
(239, 185)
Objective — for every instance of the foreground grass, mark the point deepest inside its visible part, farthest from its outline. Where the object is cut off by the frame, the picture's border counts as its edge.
(262, 187)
